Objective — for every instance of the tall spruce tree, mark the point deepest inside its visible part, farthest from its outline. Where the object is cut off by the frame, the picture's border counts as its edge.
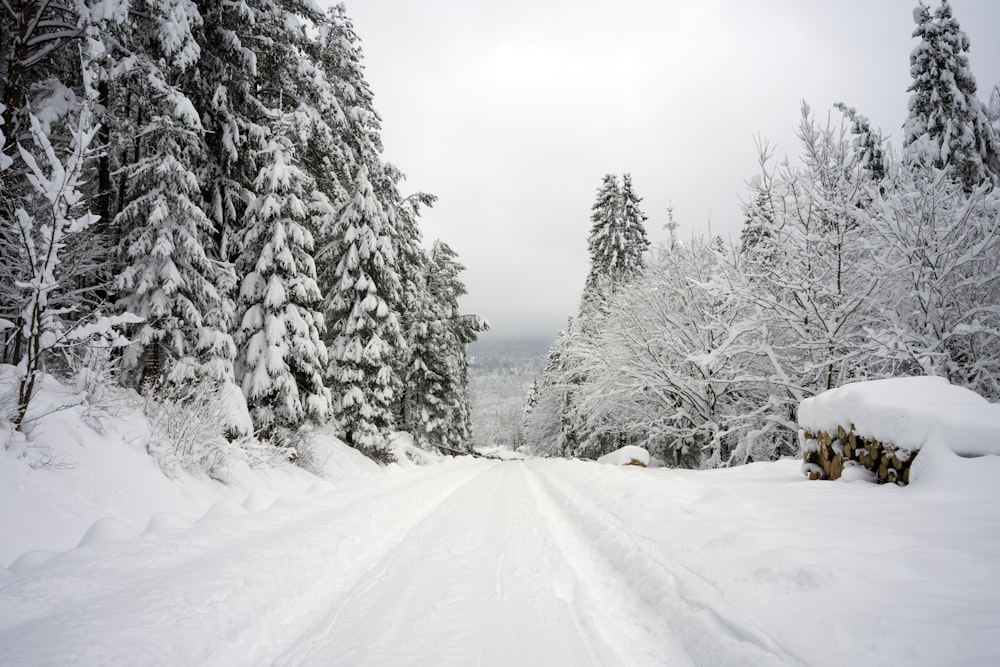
(361, 323)
(947, 123)
(280, 305)
(617, 240)
(169, 275)
(437, 377)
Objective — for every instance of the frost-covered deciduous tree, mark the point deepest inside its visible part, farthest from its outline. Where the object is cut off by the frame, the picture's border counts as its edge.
(280, 305)
(679, 365)
(939, 287)
(45, 223)
(817, 279)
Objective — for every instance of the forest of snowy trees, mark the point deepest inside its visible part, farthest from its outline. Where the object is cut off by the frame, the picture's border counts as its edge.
(195, 204)
(859, 261)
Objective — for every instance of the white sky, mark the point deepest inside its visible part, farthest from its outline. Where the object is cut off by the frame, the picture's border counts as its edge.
(512, 111)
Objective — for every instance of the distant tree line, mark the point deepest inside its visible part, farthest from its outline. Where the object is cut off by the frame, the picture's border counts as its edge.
(858, 262)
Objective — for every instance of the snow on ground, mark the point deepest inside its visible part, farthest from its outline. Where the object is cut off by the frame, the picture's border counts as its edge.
(489, 562)
(539, 562)
(909, 412)
(82, 464)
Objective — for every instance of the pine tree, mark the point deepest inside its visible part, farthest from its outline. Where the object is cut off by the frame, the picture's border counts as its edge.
(170, 277)
(338, 54)
(947, 123)
(438, 373)
(603, 244)
(362, 326)
(617, 240)
(532, 400)
(281, 322)
(868, 142)
(634, 226)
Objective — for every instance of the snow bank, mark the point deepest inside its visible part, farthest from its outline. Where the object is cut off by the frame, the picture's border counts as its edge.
(627, 455)
(910, 413)
(836, 574)
(406, 452)
(81, 473)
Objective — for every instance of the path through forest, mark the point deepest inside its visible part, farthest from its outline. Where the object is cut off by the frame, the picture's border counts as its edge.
(476, 562)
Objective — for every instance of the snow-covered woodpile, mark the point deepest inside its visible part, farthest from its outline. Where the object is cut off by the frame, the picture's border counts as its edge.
(629, 455)
(882, 425)
(826, 455)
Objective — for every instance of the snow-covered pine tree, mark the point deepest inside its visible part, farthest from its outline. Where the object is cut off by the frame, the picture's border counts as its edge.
(553, 426)
(756, 237)
(542, 426)
(34, 32)
(361, 325)
(617, 240)
(993, 110)
(459, 330)
(169, 277)
(223, 87)
(404, 232)
(339, 56)
(634, 231)
(868, 142)
(531, 401)
(416, 306)
(947, 123)
(605, 242)
(280, 305)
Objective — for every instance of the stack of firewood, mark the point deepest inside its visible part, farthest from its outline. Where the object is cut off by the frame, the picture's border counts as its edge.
(826, 456)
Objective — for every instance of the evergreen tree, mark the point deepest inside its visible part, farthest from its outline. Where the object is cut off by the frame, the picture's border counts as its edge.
(438, 373)
(617, 238)
(868, 142)
(279, 303)
(169, 277)
(634, 232)
(947, 123)
(362, 326)
(603, 244)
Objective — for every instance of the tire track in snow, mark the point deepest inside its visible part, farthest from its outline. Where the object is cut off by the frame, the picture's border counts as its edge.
(711, 631)
(467, 586)
(381, 534)
(185, 598)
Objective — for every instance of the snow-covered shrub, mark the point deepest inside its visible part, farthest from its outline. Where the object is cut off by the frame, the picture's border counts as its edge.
(200, 426)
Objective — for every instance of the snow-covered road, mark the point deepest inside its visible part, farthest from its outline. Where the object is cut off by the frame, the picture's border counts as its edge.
(522, 563)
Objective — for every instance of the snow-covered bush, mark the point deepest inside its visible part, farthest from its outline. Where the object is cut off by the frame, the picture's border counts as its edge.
(201, 426)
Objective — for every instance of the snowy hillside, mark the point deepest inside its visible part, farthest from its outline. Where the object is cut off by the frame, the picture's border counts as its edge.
(501, 373)
(79, 464)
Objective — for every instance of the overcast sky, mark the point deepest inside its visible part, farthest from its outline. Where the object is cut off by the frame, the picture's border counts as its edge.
(511, 111)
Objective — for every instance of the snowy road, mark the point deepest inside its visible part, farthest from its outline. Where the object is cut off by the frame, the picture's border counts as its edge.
(507, 563)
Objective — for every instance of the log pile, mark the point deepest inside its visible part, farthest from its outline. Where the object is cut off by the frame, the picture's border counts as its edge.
(825, 456)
